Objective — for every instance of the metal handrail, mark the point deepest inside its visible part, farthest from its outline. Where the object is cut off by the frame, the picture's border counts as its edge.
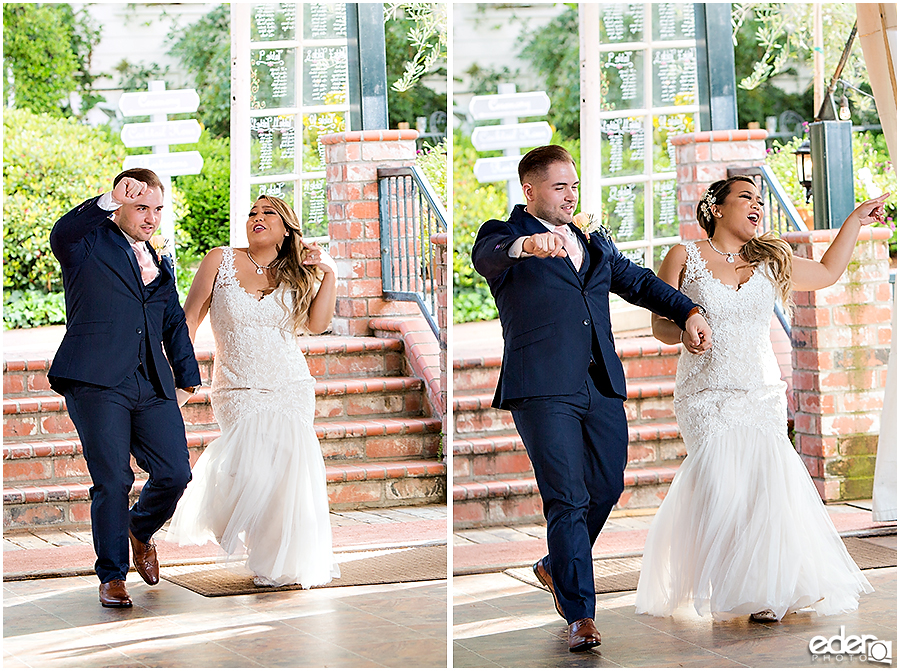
(410, 212)
(782, 213)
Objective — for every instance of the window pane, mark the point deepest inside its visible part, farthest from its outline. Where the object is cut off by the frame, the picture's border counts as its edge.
(272, 145)
(623, 211)
(325, 79)
(273, 21)
(659, 253)
(665, 209)
(664, 127)
(674, 77)
(315, 125)
(622, 146)
(324, 20)
(622, 22)
(283, 190)
(673, 21)
(271, 78)
(621, 80)
(314, 219)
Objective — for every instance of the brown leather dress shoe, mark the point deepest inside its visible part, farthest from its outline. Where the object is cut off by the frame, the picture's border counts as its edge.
(145, 559)
(114, 595)
(543, 576)
(583, 635)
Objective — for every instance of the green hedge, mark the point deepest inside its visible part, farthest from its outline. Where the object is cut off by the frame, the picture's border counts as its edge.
(49, 166)
(207, 198)
(473, 204)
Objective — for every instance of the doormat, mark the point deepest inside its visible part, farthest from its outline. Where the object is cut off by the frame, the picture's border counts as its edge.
(621, 574)
(373, 567)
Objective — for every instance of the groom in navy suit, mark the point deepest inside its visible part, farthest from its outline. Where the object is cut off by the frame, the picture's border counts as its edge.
(560, 375)
(122, 309)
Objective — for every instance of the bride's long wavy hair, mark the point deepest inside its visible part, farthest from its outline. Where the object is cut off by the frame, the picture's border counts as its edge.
(288, 270)
(768, 248)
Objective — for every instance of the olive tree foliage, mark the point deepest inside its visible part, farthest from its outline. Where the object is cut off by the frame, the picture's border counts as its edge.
(426, 34)
(47, 57)
(781, 34)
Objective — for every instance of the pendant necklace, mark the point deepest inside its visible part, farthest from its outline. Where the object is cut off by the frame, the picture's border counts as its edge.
(259, 268)
(730, 255)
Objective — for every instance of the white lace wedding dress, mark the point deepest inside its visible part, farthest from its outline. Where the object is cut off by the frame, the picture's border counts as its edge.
(260, 486)
(742, 528)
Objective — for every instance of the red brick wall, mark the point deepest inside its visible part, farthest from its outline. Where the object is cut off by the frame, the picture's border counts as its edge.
(842, 339)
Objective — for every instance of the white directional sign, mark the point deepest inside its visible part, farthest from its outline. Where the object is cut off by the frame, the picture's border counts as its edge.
(186, 131)
(487, 138)
(145, 103)
(179, 163)
(533, 103)
(498, 169)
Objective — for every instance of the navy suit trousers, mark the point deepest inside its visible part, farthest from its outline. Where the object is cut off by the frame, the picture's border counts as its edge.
(578, 445)
(113, 423)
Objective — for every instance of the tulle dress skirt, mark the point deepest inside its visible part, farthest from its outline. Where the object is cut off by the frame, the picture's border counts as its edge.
(743, 529)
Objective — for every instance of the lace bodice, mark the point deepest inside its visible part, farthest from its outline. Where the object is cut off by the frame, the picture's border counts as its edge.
(724, 386)
(255, 351)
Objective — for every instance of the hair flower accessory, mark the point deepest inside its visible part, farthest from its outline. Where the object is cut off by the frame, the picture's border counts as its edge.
(588, 224)
(706, 204)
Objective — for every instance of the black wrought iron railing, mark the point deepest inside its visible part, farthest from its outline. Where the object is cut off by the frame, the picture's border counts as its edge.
(410, 213)
(781, 215)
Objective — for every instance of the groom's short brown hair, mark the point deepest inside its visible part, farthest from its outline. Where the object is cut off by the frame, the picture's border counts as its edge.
(539, 159)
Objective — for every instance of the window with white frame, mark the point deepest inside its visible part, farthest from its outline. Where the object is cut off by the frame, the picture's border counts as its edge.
(646, 74)
(289, 86)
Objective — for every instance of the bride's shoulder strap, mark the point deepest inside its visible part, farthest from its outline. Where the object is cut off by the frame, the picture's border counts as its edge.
(694, 262)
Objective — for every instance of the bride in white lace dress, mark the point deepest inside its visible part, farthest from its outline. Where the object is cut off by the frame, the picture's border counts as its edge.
(260, 487)
(743, 530)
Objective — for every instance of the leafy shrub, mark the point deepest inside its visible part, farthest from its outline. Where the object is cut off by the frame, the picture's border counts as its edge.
(205, 222)
(433, 162)
(473, 204)
(24, 309)
(50, 165)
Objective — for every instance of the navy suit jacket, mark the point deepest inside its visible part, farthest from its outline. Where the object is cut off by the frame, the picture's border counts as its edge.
(548, 312)
(109, 311)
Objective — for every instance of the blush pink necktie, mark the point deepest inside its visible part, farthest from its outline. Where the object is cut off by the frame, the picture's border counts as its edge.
(149, 271)
(571, 245)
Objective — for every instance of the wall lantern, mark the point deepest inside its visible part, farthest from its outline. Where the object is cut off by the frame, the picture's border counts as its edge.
(804, 167)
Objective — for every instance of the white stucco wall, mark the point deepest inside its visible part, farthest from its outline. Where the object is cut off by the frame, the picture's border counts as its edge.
(136, 33)
(488, 36)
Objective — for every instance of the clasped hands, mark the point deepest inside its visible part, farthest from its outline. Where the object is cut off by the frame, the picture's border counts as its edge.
(697, 335)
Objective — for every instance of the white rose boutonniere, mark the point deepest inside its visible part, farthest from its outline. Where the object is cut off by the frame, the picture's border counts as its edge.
(161, 246)
(588, 224)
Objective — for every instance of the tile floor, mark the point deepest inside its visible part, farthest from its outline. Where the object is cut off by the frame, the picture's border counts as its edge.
(499, 621)
(58, 623)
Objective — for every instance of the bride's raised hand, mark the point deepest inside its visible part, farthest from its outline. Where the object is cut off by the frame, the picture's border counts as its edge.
(871, 211)
(316, 256)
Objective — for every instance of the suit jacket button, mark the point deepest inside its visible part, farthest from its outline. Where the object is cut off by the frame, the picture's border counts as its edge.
(139, 331)
(586, 322)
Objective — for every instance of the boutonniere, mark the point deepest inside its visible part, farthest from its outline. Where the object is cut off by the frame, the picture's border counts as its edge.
(161, 246)
(588, 224)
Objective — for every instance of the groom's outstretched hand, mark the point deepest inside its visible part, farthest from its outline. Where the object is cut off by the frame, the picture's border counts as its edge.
(697, 336)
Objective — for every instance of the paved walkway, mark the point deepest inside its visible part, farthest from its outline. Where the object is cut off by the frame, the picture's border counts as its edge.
(499, 621)
(58, 622)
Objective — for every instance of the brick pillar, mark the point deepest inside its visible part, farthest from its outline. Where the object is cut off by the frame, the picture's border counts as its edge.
(703, 158)
(842, 338)
(439, 241)
(351, 182)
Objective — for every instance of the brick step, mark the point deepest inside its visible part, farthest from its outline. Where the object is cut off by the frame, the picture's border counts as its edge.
(350, 486)
(328, 357)
(517, 501)
(648, 400)
(60, 461)
(642, 358)
(504, 457)
(43, 417)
